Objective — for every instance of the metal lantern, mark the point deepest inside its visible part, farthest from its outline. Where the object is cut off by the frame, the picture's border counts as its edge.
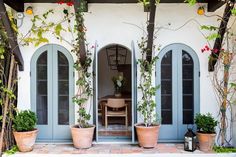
(190, 140)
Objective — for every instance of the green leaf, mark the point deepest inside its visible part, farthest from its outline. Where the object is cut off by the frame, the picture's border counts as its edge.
(58, 30)
(213, 36)
(233, 11)
(210, 28)
(191, 2)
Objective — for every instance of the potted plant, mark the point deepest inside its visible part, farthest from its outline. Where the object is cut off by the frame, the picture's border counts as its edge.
(147, 131)
(25, 132)
(205, 131)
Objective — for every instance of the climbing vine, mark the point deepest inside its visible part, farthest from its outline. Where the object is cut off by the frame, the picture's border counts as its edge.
(84, 72)
(222, 79)
(146, 106)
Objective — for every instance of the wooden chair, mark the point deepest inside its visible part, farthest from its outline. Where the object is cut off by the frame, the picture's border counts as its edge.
(116, 108)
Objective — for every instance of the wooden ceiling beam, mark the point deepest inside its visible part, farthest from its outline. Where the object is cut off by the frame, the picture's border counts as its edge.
(222, 29)
(214, 5)
(11, 36)
(17, 5)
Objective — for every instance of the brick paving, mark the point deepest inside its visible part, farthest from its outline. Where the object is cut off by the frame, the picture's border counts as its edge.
(109, 149)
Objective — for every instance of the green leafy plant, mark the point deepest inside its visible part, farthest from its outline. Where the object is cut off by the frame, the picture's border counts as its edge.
(146, 106)
(219, 149)
(11, 151)
(24, 121)
(205, 123)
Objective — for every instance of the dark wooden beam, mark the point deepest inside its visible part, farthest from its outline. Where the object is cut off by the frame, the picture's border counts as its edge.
(82, 49)
(150, 29)
(11, 36)
(17, 5)
(214, 5)
(218, 42)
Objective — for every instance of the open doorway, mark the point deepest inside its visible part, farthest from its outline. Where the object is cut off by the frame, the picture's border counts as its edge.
(114, 94)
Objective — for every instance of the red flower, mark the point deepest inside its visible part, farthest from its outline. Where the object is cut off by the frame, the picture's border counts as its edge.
(60, 2)
(203, 50)
(215, 50)
(207, 48)
(70, 3)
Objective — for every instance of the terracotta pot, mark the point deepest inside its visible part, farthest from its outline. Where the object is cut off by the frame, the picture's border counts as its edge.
(206, 141)
(147, 136)
(25, 140)
(82, 137)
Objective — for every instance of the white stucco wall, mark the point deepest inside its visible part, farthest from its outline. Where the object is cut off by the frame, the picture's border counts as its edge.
(118, 23)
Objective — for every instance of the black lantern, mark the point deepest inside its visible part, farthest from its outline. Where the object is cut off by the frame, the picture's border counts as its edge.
(190, 140)
(116, 55)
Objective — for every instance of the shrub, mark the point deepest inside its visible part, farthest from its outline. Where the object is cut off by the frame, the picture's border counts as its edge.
(25, 121)
(205, 123)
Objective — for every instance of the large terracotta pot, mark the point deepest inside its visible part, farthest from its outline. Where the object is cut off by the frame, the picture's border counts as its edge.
(25, 140)
(147, 136)
(206, 141)
(82, 137)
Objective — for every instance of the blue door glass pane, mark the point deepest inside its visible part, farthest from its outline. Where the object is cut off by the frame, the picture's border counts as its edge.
(63, 89)
(42, 95)
(188, 85)
(166, 88)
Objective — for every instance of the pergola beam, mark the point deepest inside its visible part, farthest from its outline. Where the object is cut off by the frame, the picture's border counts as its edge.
(81, 42)
(17, 5)
(11, 36)
(150, 29)
(214, 5)
(222, 29)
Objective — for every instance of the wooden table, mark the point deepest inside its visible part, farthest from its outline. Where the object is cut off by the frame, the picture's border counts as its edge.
(127, 99)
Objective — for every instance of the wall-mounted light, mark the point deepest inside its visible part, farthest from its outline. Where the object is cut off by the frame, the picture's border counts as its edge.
(29, 10)
(201, 10)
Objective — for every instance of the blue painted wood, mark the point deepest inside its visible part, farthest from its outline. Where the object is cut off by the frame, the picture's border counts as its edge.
(95, 86)
(52, 131)
(45, 131)
(134, 90)
(176, 130)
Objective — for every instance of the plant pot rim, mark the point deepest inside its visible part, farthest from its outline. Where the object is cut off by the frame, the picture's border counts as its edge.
(35, 130)
(206, 133)
(91, 126)
(141, 125)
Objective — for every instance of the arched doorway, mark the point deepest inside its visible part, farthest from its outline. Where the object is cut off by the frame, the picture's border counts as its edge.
(51, 92)
(113, 128)
(178, 97)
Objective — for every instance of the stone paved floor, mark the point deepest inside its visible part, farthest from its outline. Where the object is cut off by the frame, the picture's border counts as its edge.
(109, 149)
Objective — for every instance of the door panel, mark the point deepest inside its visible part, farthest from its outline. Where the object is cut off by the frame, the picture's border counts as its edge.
(52, 79)
(178, 97)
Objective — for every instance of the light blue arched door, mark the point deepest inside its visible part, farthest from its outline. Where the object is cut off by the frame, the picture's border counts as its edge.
(178, 96)
(52, 91)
